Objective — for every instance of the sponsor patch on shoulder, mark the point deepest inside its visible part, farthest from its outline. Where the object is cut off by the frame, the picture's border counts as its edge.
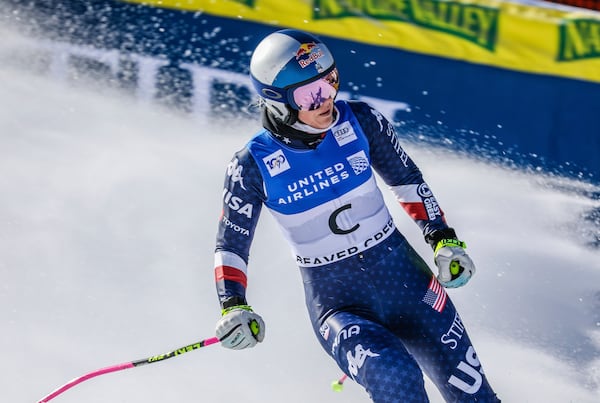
(344, 133)
(359, 162)
(276, 163)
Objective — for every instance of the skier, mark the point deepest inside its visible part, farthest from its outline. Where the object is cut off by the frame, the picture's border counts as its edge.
(375, 305)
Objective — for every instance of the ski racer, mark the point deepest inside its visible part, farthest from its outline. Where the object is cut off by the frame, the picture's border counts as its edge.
(375, 306)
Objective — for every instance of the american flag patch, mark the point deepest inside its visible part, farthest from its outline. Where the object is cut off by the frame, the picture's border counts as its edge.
(436, 295)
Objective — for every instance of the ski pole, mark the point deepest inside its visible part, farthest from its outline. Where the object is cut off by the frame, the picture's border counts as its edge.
(338, 385)
(127, 365)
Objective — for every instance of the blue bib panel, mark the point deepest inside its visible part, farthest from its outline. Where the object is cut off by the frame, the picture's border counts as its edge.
(325, 200)
(298, 180)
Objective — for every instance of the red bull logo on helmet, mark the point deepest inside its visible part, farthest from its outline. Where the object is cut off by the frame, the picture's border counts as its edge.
(308, 53)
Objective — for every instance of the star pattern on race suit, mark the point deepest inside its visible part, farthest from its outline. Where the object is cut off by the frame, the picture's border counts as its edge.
(385, 288)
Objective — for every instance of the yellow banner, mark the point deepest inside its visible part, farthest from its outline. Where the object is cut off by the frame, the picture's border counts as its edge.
(515, 36)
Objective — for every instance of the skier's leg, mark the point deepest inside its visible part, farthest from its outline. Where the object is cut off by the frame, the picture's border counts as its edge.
(425, 319)
(445, 352)
(373, 357)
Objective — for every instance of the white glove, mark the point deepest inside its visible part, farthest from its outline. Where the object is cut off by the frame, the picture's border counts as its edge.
(240, 328)
(455, 267)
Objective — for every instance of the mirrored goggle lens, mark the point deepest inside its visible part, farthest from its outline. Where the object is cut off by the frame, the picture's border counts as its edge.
(312, 95)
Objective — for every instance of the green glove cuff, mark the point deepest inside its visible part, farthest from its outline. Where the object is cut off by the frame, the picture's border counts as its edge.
(231, 308)
(449, 242)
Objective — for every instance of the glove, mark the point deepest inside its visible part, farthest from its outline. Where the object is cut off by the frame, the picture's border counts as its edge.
(240, 328)
(455, 267)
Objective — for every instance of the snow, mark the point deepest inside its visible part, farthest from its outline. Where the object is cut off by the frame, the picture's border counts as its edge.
(107, 223)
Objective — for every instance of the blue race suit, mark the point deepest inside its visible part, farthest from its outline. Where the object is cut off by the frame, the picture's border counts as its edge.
(375, 305)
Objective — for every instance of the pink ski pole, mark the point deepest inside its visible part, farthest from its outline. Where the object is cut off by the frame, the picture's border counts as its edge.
(338, 385)
(126, 365)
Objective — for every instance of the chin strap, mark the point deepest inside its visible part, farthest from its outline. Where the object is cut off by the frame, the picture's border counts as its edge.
(289, 116)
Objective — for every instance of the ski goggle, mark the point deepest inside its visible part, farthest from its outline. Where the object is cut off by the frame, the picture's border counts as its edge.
(312, 95)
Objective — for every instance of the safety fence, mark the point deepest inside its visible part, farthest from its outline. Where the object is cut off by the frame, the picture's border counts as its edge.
(509, 80)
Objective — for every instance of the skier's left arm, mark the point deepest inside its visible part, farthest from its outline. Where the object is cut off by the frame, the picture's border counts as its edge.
(405, 180)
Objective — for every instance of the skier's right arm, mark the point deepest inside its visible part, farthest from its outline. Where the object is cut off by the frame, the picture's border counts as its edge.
(243, 196)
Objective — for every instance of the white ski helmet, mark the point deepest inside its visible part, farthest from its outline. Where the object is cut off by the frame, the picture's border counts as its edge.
(283, 61)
